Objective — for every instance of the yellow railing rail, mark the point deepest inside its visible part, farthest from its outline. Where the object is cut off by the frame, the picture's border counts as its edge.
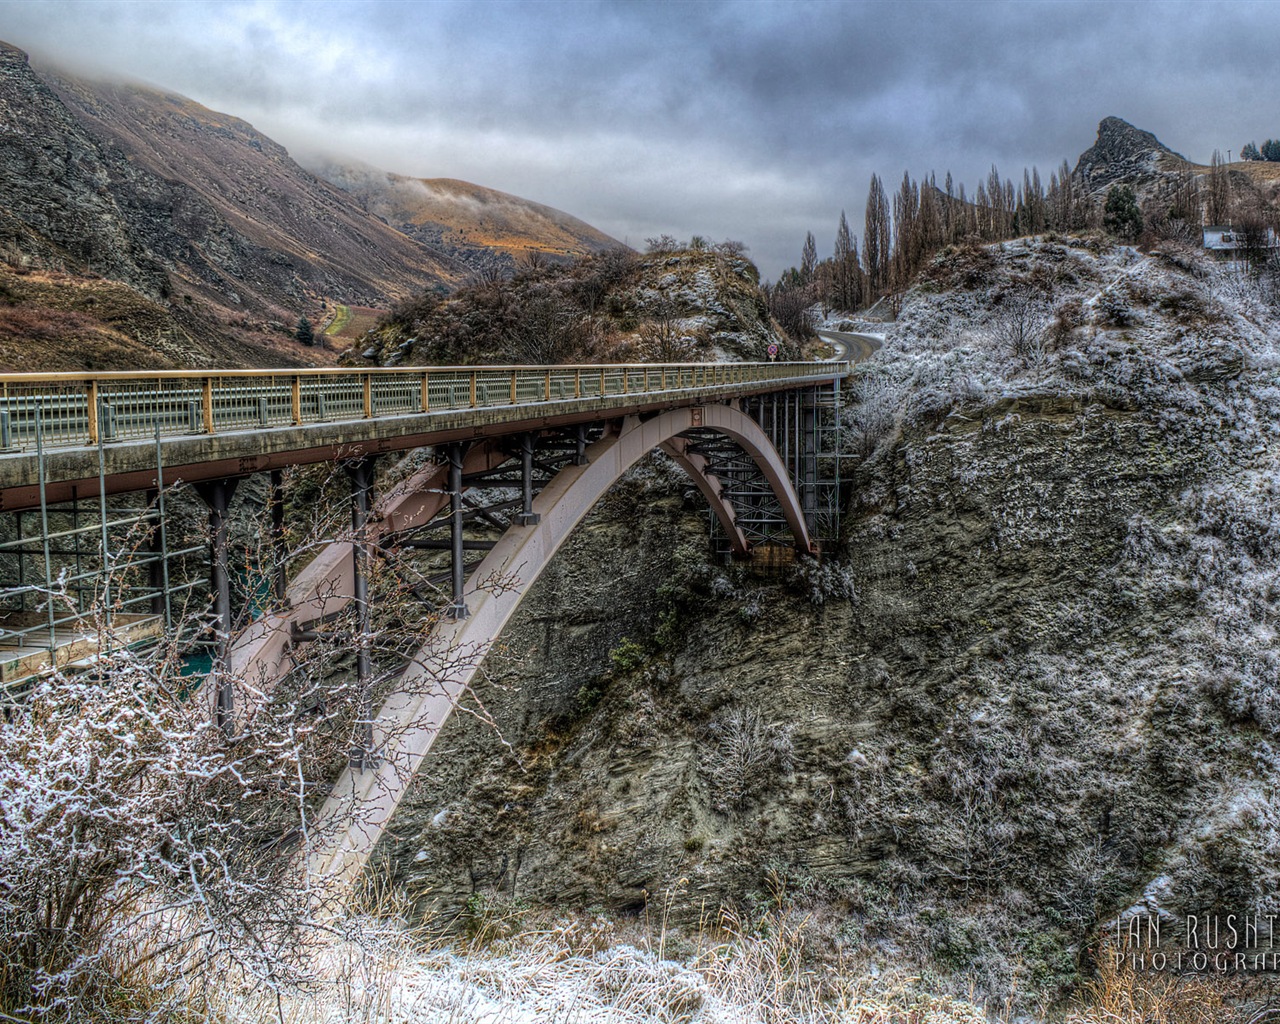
(78, 409)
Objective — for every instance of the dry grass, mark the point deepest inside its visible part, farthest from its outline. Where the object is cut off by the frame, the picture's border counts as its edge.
(351, 323)
(1120, 993)
(51, 321)
(374, 968)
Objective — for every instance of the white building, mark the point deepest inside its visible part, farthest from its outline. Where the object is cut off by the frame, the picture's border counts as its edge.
(1228, 239)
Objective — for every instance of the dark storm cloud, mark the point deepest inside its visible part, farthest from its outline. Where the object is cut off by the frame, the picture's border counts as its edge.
(750, 120)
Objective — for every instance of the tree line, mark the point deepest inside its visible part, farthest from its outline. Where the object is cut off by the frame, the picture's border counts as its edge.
(903, 230)
(1269, 150)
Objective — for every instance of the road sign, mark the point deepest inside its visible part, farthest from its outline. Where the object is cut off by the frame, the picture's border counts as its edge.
(773, 351)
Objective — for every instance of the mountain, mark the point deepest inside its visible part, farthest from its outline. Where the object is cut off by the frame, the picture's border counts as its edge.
(478, 226)
(1123, 153)
(245, 217)
(1167, 183)
(141, 229)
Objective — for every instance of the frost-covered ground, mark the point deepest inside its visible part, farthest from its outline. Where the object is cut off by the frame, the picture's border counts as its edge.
(1031, 317)
(551, 977)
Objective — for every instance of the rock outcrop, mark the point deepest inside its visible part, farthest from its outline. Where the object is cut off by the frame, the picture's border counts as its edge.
(1123, 154)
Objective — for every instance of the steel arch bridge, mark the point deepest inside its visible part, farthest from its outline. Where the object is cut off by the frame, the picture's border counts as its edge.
(528, 450)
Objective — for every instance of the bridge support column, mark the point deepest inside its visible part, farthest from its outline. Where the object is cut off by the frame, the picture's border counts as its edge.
(217, 494)
(361, 471)
(580, 439)
(808, 483)
(156, 554)
(458, 605)
(527, 516)
(279, 575)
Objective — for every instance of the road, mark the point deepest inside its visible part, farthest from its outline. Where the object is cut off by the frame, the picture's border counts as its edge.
(854, 347)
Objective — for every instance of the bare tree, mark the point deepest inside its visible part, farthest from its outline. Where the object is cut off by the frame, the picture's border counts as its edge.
(662, 338)
(1219, 197)
(789, 305)
(1020, 320)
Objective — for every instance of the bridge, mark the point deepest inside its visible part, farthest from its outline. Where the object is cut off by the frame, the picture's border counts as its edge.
(93, 467)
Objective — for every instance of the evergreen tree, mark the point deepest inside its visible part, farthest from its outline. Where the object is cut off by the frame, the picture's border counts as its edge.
(303, 331)
(1121, 215)
(1249, 151)
(1271, 150)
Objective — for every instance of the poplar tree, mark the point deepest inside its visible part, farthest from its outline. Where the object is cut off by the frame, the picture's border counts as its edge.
(808, 259)
(876, 239)
(1219, 190)
(847, 275)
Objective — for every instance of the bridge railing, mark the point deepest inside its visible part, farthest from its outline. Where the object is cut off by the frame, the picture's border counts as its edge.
(76, 409)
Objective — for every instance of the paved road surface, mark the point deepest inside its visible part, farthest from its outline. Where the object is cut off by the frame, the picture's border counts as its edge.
(853, 347)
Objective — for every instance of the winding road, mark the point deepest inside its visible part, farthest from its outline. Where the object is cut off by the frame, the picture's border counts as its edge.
(852, 347)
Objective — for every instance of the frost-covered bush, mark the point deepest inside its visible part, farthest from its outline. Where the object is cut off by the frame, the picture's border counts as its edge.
(1114, 310)
(125, 816)
(823, 581)
(743, 755)
(876, 400)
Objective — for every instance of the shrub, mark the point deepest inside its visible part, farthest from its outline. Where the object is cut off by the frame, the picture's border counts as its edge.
(628, 655)
(123, 813)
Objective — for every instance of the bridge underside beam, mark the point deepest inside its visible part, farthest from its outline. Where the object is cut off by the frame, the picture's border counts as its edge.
(698, 470)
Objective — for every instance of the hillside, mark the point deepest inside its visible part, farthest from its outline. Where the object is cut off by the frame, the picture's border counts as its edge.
(71, 245)
(222, 238)
(1168, 184)
(247, 213)
(615, 306)
(1049, 704)
(478, 226)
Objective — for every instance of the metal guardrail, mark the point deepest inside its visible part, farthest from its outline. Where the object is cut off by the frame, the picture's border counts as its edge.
(80, 409)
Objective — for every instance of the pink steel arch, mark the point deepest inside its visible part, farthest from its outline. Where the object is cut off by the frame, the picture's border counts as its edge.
(362, 802)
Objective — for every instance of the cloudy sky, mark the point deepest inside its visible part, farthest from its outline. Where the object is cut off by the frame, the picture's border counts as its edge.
(749, 120)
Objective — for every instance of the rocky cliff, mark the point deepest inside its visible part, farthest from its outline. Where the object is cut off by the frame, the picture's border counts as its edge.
(1123, 154)
(1050, 702)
